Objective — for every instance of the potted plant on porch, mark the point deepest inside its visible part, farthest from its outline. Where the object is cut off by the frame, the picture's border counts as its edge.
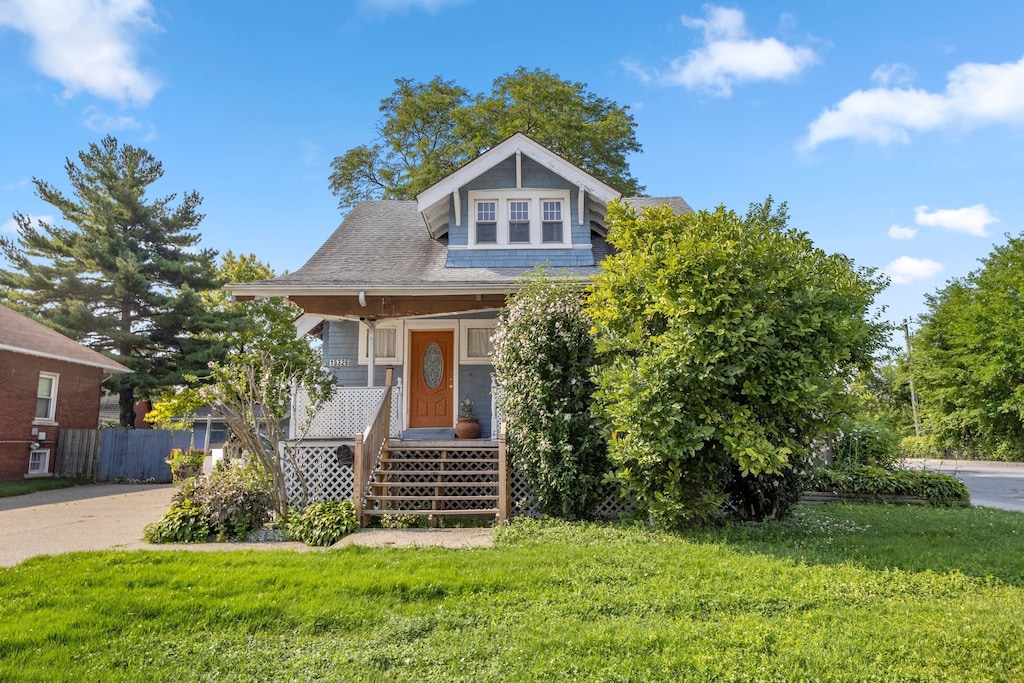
(467, 426)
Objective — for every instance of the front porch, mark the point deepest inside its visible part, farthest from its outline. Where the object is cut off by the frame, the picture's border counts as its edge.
(384, 474)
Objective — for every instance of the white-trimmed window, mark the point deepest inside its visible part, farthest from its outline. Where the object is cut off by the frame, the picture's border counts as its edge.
(39, 461)
(528, 218)
(387, 344)
(551, 226)
(519, 222)
(487, 222)
(46, 397)
(475, 341)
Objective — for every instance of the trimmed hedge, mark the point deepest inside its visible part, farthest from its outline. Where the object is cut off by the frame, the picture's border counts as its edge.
(932, 487)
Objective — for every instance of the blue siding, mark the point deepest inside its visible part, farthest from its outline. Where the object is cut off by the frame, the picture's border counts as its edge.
(507, 258)
(503, 176)
(341, 341)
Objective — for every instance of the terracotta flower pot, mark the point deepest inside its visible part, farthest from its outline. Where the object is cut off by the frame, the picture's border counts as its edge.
(467, 428)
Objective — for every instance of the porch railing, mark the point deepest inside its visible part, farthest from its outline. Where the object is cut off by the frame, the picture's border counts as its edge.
(345, 414)
(370, 445)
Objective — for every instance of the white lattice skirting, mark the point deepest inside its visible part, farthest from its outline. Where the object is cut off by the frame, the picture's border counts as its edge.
(326, 478)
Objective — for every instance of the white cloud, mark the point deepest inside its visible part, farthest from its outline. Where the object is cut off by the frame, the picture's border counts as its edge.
(893, 74)
(430, 6)
(975, 95)
(907, 269)
(12, 225)
(973, 220)
(729, 56)
(87, 45)
(106, 123)
(900, 233)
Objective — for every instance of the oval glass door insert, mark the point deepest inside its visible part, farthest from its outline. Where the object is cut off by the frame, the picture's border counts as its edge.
(433, 366)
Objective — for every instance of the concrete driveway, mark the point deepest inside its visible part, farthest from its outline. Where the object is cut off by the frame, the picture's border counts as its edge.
(112, 517)
(991, 484)
(98, 517)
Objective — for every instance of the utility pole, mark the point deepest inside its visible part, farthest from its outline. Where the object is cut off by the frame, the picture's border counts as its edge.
(910, 369)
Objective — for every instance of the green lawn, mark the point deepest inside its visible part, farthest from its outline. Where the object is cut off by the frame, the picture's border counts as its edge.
(23, 486)
(840, 593)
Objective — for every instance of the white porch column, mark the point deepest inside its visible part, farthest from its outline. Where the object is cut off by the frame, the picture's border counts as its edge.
(371, 352)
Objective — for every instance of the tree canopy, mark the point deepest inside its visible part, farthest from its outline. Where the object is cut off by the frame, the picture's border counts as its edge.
(725, 344)
(251, 387)
(428, 130)
(123, 276)
(968, 358)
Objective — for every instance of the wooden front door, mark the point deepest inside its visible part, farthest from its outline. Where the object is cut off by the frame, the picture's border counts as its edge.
(431, 378)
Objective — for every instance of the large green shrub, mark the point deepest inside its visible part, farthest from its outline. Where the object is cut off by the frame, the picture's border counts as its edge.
(725, 344)
(543, 353)
(323, 523)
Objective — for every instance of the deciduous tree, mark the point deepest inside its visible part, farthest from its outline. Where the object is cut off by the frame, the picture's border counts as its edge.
(427, 130)
(969, 359)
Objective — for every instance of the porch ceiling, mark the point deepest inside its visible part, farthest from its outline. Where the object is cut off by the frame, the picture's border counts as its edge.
(378, 307)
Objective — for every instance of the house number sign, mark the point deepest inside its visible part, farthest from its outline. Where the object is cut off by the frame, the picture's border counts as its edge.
(337, 363)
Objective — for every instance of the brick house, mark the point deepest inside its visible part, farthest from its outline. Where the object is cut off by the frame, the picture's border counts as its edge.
(48, 382)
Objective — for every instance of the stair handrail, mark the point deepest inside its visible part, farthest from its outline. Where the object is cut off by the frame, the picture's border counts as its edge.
(370, 447)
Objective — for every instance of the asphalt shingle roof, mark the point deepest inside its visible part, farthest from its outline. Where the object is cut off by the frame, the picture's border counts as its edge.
(385, 244)
(24, 335)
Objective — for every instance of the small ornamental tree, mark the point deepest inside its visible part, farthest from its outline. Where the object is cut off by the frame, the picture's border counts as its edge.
(725, 343)
(251, 388)
(543, 352)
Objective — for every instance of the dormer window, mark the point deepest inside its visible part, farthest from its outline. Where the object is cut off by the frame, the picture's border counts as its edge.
(519, 222)
(519, 218)
(487, 222)
(552, 225)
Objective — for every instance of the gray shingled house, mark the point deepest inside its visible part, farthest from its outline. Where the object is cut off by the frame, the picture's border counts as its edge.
(412, 288)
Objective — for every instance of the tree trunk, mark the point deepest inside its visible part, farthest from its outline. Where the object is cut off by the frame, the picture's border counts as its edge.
(126, 402)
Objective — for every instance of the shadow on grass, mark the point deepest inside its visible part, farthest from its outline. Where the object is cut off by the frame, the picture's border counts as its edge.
(977, 542)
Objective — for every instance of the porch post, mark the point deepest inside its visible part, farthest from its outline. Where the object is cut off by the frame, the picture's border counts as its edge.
(371, 352)
(504, 488)
(358, 485)
(494, 406)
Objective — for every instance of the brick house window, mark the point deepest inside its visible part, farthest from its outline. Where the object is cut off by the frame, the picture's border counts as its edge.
(39, 461)
(46, 397)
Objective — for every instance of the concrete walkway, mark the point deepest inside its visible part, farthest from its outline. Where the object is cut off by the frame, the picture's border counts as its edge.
(991, 484)
(113, 516)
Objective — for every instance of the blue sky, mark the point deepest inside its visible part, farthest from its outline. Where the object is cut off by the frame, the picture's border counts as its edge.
(894, 130)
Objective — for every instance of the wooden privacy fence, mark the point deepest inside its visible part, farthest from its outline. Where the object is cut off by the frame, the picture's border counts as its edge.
(113, 454)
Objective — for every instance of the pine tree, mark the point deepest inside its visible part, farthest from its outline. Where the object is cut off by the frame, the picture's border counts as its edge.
(123, 276)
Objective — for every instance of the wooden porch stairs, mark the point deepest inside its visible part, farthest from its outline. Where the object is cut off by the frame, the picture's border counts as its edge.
(436, 478)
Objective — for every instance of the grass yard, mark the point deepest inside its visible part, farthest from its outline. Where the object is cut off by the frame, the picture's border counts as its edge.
(23, 486)
(841, 592)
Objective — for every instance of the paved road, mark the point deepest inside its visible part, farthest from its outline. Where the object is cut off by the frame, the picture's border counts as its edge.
(991, 484)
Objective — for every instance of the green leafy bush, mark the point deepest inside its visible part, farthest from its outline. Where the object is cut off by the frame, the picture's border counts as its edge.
(763, 496)
(543, 353)
(323, 523)
(724, 344)
(933, 487)
(186, 522)
(918, 447)
(235, 499)
(864, 441)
